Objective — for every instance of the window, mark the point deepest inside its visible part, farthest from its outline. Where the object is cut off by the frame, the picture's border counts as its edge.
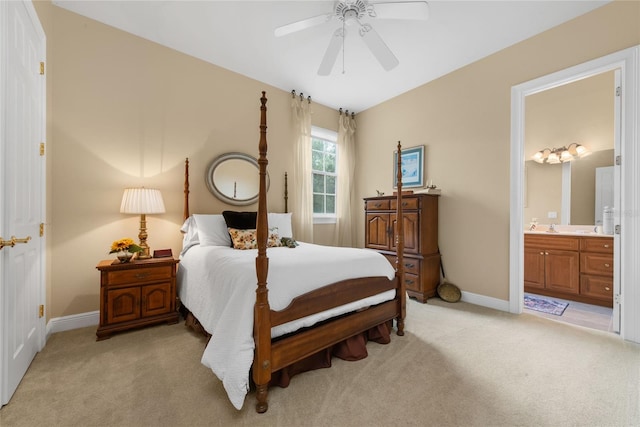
(324, 161)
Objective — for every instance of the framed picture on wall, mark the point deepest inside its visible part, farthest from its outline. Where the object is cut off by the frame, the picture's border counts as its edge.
(412, 164)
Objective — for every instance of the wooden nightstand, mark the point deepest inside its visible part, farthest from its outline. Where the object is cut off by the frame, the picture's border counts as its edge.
(136, 294)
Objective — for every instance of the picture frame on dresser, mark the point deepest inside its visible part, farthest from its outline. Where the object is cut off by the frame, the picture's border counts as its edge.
(412, 167)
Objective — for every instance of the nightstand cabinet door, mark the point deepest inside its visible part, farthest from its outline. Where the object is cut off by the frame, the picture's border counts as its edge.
(156, 299)
(123, 305)
(136, 294)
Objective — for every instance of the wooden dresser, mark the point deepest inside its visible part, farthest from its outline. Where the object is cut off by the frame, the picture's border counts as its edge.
(136, 294)
(421, 255)
(570, 267)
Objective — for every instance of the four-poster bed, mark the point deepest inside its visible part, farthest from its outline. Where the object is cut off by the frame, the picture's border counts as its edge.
(313, 306)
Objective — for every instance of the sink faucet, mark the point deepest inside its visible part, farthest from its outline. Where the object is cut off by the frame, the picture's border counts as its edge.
(552, 228)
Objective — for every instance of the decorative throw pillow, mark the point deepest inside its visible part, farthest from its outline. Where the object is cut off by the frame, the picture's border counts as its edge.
(240, 221)
(247, 239)
(282, 221)
(243, 239)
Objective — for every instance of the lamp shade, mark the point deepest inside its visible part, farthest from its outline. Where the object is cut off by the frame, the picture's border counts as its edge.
(142, 201)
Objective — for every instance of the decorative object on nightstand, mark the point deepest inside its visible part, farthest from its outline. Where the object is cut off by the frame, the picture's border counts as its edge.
(136, 294)
(142, 201)
(124, 249)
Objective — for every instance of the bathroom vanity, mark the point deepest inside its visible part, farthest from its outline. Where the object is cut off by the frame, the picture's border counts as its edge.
(569, 266)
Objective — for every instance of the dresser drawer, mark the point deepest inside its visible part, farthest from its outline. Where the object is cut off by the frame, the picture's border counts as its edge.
(411, 265)
(136, 275)
(378, 205)
(597, 244)
(597, 287)
(406, 204)
(412, 281)
(601, 264)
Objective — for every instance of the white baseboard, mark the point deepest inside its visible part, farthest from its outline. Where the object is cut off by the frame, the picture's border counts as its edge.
(484, 301)
(75, 321)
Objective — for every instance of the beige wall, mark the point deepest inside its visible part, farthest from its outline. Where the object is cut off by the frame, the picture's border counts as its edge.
(463, 119)
(123, 111)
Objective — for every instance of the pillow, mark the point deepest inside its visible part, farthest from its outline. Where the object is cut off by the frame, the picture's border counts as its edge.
(190, 231)
(240, 220)
(212, 230)
(247, 239)
(282, 221)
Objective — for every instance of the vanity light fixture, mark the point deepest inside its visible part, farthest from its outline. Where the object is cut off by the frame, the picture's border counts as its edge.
(142, 201)
(562, 154)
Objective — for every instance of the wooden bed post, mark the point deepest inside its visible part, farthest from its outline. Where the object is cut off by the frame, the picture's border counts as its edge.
(402, 298)
(262, 320)
(185, 214)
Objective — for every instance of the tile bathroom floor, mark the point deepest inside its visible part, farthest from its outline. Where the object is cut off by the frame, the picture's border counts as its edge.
(577, 313)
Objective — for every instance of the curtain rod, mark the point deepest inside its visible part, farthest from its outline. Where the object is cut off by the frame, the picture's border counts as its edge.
(353, 114)
(293, 95)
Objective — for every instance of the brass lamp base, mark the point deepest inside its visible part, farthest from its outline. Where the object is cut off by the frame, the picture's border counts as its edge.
(145, 253)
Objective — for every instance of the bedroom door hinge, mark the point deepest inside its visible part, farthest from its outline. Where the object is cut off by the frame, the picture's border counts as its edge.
(617, 299)
(617, 229)
(41, 68)
(41, 149)
(618, 91)
(41, 311)
(41, 229)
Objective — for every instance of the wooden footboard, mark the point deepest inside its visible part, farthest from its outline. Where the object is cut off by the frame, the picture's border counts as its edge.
(271, 356)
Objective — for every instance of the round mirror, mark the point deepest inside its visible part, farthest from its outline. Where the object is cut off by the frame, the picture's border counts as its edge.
(234, 178)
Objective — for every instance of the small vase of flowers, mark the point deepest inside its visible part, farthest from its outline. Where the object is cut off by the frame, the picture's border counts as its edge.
(124, 249)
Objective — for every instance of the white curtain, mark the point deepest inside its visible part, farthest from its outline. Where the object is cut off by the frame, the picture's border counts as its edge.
(302, 194)
(345, 232)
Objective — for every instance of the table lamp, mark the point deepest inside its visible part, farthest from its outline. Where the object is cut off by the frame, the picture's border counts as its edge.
(142, 201)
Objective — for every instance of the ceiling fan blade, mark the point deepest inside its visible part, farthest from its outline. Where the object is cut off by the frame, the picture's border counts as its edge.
(378, 47)
(302, 25)
(330, 56)
(418, 10)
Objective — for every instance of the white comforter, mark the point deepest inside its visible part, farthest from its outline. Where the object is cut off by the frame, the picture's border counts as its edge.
(217, 284)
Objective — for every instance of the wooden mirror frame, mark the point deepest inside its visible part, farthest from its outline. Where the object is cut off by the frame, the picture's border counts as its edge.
(215, 189)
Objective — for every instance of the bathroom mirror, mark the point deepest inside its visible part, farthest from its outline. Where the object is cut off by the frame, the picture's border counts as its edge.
(234, 178)
(579, 112)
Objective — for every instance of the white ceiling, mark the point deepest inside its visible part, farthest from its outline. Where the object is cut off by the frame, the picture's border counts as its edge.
(238, 35)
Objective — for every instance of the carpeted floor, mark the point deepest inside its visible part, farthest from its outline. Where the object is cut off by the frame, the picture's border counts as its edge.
(458, 365)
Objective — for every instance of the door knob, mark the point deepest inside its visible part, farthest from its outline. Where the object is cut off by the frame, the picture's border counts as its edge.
(12, 241)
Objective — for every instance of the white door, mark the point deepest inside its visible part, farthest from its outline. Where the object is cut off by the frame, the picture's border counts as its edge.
(22, 119)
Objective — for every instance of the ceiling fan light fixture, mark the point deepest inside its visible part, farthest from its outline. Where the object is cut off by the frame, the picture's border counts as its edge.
(350, 12)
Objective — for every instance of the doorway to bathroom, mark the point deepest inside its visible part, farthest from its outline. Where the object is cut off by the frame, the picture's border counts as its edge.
(626, 236)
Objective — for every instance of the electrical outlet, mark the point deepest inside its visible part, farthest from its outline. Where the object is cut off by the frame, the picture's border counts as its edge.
(552, 215)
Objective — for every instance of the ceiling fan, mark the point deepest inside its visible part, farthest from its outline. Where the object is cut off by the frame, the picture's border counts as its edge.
(351, 13)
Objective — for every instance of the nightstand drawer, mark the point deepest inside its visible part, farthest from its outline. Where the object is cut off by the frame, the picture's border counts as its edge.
(119, 277)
